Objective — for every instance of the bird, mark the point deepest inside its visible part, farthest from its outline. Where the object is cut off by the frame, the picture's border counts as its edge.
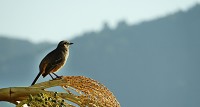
(54, 60)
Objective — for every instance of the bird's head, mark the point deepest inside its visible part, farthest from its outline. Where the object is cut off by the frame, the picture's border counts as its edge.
(64, 44)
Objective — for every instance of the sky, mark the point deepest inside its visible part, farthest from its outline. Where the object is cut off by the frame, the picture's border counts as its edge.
(54, 20)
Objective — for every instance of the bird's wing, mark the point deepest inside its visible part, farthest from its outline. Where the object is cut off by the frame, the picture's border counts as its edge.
(52, 65)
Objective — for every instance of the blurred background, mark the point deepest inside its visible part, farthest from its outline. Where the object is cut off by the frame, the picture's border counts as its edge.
(145, 52)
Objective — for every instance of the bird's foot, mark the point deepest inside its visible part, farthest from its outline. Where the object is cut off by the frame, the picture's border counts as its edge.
(58, 77)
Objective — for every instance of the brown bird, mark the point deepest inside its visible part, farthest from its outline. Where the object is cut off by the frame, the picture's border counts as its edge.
(54, 60)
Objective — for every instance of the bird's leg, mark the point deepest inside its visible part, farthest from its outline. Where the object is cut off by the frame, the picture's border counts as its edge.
(51, 76)
(56, 75)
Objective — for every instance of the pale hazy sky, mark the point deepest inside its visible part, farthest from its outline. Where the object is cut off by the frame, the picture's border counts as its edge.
(54, 20)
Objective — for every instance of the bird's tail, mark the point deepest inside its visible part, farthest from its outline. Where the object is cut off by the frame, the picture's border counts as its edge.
(36, 78)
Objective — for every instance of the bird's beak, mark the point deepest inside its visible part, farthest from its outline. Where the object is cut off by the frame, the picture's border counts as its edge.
(71, 43)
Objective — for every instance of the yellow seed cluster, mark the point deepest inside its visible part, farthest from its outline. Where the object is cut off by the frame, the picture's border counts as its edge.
(91, 92)
(80, 91)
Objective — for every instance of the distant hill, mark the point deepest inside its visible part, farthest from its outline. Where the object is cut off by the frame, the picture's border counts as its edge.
(151, 64)
(17, 59)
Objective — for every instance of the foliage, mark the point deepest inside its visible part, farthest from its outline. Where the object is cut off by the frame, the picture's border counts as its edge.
(44, 100)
